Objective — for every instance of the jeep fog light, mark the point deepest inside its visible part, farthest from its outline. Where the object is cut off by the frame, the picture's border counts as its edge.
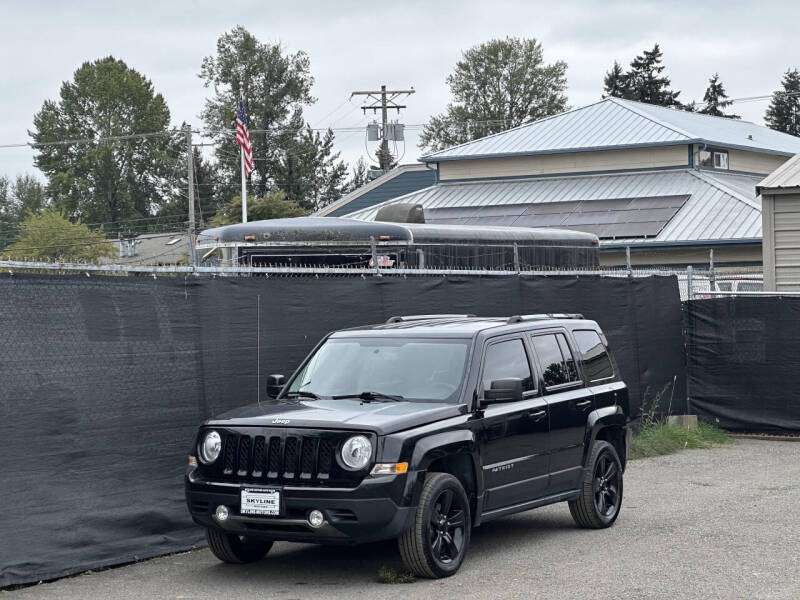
(356, 452)
(315, 518)
(221, 514)
(389, 468)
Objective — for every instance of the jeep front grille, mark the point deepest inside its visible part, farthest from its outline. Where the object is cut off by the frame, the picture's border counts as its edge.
(280, 457)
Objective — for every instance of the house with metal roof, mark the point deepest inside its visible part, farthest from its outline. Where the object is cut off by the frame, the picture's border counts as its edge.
(670, 185)
(399, 181)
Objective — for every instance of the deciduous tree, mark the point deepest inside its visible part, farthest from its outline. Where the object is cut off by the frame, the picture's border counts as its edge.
(272, 206)
(51, 236)
(275, 86)
(495, 86)
(103, 181)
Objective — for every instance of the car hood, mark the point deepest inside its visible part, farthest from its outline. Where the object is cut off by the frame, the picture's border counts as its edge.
(380, 417)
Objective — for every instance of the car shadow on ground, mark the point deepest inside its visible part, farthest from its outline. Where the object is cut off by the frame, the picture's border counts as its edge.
(290, 564)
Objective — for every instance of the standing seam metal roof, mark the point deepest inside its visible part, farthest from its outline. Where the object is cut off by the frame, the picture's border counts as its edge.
(616, 123)
(720, 207)
(785, 176)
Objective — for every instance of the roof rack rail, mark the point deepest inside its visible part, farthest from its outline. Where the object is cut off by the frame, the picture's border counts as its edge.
(408, 318)
(542, 317)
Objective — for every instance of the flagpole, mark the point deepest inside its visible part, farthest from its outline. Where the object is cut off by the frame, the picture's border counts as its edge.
(244, 188)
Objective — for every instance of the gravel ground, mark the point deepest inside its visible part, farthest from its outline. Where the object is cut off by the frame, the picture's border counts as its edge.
(719, 523)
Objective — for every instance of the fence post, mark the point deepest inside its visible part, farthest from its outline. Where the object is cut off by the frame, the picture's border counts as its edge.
(690, 292)
(374, 249)
(628, 260)
(711, 277)
(516, 257)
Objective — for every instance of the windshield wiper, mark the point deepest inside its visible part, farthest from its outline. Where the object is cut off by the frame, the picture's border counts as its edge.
(301, 394)
(370, 397)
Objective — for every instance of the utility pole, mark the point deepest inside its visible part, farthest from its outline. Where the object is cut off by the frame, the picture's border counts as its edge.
(190, 193)
(383, 100)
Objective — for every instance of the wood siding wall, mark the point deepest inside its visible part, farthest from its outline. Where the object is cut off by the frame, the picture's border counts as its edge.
(754, 162)
(780, 214)
(576, 162)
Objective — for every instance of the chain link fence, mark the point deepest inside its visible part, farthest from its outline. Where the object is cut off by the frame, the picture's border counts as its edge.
(106, 377)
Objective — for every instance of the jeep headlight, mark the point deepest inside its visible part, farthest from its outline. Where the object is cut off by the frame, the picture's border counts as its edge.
(356, 452)
(210, 447)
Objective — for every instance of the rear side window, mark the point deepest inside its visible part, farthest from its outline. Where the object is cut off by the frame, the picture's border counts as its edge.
(558, 364)
(594, 353)
(507, 360)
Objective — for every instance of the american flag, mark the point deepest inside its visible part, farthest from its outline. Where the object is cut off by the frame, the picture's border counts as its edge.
(243, 138)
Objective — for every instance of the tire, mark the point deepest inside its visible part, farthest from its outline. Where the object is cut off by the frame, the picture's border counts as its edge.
(600, 501)
(434, 546)
(235, 549)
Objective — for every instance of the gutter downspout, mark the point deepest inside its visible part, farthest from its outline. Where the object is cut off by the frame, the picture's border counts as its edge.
(703, 148)
(435, 172)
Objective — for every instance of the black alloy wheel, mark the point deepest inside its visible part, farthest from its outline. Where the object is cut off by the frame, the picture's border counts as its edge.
(606, 485)
(600, 499)
(446, 527)
(436, 543)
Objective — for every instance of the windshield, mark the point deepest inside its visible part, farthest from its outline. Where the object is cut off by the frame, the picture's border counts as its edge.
(415, 369)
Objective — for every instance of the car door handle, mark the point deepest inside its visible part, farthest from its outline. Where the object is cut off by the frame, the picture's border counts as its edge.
(537, 415)
(584, 404)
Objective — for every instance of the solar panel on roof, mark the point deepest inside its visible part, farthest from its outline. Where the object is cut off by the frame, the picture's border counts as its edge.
(607, 218)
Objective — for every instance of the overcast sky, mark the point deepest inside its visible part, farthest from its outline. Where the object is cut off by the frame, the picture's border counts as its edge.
(360, 45)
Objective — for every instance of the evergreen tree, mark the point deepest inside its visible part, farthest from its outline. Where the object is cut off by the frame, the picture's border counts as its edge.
(783, 113)
(311, 172)
(715, 99)
(496, 86)
(643, 82)
(615, 82)
(176, 211)
(359, 175)
(647, 84)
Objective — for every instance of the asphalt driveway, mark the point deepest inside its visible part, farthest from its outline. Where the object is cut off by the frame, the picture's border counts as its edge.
(719, 523)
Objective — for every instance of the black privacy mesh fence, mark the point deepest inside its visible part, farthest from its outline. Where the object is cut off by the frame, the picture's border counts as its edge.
(744, 362)
(103, 381)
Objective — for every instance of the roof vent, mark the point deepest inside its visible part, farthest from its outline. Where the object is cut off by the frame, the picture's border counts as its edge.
(401, 213)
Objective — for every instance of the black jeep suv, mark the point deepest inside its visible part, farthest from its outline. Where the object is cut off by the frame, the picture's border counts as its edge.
(418, 429)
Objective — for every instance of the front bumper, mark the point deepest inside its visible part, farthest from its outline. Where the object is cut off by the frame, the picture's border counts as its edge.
(372, 511)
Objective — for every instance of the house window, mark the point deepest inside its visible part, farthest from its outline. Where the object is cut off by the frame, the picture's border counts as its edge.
(713, 159)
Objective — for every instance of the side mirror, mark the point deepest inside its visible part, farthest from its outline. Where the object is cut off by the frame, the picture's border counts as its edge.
(503, 390)
(275, 384)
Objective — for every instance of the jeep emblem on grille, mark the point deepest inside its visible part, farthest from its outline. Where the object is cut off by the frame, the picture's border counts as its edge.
(280, 421)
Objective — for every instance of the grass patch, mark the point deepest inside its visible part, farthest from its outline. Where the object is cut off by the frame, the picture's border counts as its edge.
(659, 438)
(389, 575)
